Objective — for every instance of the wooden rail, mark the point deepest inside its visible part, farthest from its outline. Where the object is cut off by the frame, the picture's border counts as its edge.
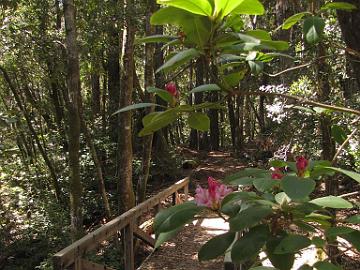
(71, 257)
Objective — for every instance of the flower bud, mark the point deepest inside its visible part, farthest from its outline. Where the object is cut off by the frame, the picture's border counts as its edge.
(276, 174)
(171, 88)
(301, 165)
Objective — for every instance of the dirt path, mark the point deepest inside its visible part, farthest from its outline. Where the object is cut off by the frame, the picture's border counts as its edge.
(180, 253)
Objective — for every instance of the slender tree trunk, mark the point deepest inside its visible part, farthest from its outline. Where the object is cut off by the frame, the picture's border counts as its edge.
(113, 68)
(95, 94)
(125, 185)
(47, 160)
(349, 24)
(73, 83)
(149, 81)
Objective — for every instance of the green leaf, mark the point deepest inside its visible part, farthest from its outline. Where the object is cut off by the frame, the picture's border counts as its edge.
(326, 266)
(289, 22)
(338, 134)
(318, 242)
(206, 88)
(351, 174)
(135, 107)
(277, 45)
(353, 219)
(313, 29)
(280, 261)
(238, 196)
(339, 5)
(250, 244)
(216, 246)
(224, 7)
(175, 217)
(265, 184)
(338, 231)
(196, 28)
(234, 22)
(163, 94)
(298, 189)
(244, 175)
(155, 39)
(259, 34)
(200, 7)
(353, 238)
(256, 67)
(292, 243)
(306, 267)
(158, 121)
(148, 118)
(278, 163)
(179, 59)
(249, 217)
(199, 121)
(332, 202)
(242, 181)
(165, 236)
(282, 198)
(234, 78)
(250, 7)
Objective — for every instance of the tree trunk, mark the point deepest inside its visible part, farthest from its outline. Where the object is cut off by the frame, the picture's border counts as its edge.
(149, 81)
(47, 160)
(73, 83)
(113, 68)
(349, 24)
(125, 185)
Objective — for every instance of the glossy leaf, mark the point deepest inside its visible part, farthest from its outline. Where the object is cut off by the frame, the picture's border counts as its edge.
(313, 29)
(249, 244)
(289, 22)
(165, 236)
(278, 163)
(281, 198)
(280, 261)
(163, 94)
(256, 67)
(216, 246)
(296, 188)
(200, 7)
(250, 7)
(339, 5)
(159, 121)
(179, 59)
(259, 34)
(354, 219)
(353, 238)
(206, 88)
(263, 268)
(135, 107)
(332, 202)
(351, 174)
(155, 39)
(292, 243)
(338, 231)
(238, 196)
(199, 121)
(265, 184)
(249, 217)
(175, 217)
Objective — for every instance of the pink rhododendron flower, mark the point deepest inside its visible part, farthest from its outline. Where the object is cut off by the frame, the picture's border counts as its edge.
(276, 174)
(212, 196)
(301, 165)
(171, 88)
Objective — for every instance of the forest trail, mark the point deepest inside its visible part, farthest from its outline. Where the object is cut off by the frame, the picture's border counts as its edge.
(180, 253)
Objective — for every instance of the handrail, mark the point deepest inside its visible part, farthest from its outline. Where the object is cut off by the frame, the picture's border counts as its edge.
(72, 255)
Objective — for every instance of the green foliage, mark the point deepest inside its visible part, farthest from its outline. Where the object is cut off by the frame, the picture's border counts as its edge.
(216, 247)
(313, 29)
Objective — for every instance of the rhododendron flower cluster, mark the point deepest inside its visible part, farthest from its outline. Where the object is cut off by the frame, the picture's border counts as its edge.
(171, 88)
(213, 195)
(301, 165)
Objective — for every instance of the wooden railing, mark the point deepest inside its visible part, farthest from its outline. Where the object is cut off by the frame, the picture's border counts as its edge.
(72, 257)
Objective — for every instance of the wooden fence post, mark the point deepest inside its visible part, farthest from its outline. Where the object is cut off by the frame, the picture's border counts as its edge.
(186, 192)
(129, 246)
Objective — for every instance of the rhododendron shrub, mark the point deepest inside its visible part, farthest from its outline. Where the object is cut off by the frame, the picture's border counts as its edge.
(271, 209)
